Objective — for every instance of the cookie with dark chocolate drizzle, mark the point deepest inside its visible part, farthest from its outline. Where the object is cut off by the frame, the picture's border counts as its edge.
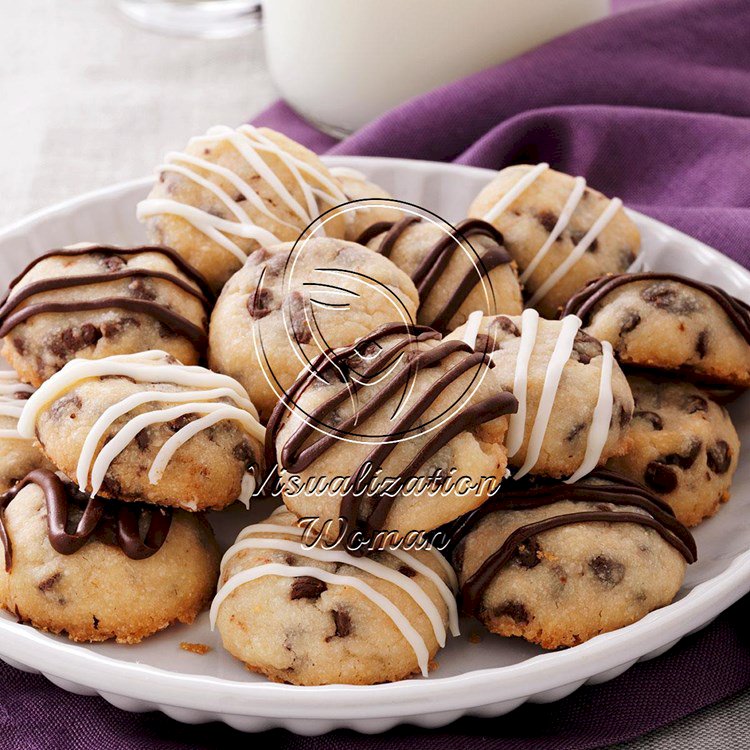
(583, 303)
(100, 517)
(669, 322)
(601, 486)
(433, 259)
(397, 363)
(11, 316)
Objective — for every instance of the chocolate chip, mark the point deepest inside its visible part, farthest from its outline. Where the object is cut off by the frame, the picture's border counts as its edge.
(261, 303)
(110, 329)
(112, 263)
(298, 318)
(343, 623)
(141, 289)
(20, 345)
(630, 322)
(547, 219)
(405, 570)
(502, 324)
(693, 404)
(660, 478)
(513, 609)
(625, 417)
(49, 582)
(306, 587)
(667, 296)
(95, 621)
(177, 424)
(585, 348)
(65, 406)
(576, 235)
(575, 431)
(142, 439)
(701, 345)
(111, 487)
(651, 417)
(610, 572)
(686, 459)
(71, 340)
(719, 457)
(486, 344)
(243, 452)
(527, 554)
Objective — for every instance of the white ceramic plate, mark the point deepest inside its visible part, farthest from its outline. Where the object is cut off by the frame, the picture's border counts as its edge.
(484, 679)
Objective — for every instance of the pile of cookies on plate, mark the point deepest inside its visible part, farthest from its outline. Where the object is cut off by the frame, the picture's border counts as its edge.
(497, 418)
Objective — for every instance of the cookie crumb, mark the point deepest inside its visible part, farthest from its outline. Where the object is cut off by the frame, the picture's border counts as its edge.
(195, 648)
(474, 637)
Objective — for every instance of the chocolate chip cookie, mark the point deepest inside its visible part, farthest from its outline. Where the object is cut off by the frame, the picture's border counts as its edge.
(18, 456)
(291, 302)
(399, 431)
(559, 231)
(456, 270)
(560, 563)
(669, 322)
(232, 191)
(143, 427)
(94, 301)
(685, 447)
(574, 403)
(309, 615)
(97, 569)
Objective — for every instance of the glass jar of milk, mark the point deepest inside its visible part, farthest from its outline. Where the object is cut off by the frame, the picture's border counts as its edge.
(340, 63)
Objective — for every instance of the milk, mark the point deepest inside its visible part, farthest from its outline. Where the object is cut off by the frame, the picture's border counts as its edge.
(340, 63)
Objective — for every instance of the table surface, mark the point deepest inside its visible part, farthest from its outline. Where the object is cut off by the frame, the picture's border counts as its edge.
(89, 100)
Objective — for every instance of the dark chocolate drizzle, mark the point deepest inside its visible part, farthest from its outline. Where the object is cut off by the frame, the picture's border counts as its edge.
(534, 493)
(298, 453)
(11, 316)
(583, 302)
(437, 258)
(107, 519)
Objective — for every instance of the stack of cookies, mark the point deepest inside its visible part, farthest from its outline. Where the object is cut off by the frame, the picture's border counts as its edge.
(497, 418)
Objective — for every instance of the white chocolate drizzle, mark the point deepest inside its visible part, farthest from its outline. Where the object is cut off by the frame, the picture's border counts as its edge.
(152, 367)
(252, 145)
(571, 204)
(10, 406)
(560, 356)
(601, 419)
(599, 430)
(248, 540)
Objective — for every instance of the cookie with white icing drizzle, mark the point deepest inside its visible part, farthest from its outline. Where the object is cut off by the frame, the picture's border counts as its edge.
(574, 403)
(306, 614)
(399, 431)
(559, 563)
(559, 231)
(669, 322)
(357, 187)
(94, 301)
(18, 455)
(234, 190)
(456, 271)
(291, 302)
(143, 427)
(98, 569)
(685, 447)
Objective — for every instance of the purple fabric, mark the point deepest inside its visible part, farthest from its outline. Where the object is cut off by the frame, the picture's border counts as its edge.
(651, 105)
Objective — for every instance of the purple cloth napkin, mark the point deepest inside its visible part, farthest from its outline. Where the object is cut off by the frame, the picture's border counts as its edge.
(650, 105)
